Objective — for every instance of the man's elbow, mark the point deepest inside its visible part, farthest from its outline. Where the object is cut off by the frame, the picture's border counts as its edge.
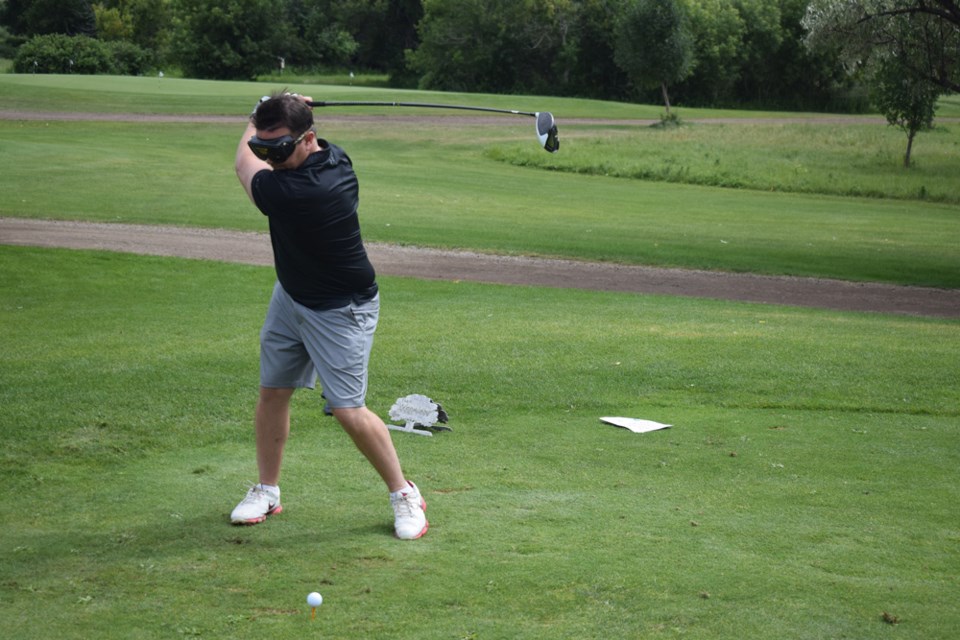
(245, 176)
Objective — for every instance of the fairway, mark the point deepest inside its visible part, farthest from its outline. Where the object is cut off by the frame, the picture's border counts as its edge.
(806, 490)
(806, 487)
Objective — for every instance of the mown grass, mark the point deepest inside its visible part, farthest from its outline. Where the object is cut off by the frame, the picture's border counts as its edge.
(340, 77)
(806, 489)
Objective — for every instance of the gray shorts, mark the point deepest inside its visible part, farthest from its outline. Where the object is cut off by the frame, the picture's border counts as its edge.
(297, 344)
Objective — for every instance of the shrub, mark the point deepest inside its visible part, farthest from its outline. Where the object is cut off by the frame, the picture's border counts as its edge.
(130, 59)
(59, 53)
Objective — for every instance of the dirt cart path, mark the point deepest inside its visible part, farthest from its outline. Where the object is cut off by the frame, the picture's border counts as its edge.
(254, 248)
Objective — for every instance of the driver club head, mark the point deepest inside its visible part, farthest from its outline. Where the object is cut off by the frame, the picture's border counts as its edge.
(547, 131)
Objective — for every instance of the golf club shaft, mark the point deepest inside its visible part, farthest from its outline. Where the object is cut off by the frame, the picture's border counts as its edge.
(420, 104)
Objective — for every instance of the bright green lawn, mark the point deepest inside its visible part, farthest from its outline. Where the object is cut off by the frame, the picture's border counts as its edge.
(807, 487)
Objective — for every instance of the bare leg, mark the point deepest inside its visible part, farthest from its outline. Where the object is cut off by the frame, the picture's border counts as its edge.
(272, 426)
(372, 438)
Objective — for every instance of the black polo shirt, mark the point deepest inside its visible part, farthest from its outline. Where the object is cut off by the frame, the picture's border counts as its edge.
(315, 231)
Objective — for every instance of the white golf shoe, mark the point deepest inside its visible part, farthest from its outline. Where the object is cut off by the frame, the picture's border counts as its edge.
(410, 521)
(256, 506)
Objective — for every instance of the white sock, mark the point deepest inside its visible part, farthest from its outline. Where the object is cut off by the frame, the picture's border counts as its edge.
(408, 487)
(275, 490)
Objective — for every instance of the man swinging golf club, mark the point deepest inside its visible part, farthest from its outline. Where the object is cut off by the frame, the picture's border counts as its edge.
(325, 304)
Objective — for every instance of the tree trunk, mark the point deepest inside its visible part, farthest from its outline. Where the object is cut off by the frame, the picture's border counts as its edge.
(906, 157)
(666, 96)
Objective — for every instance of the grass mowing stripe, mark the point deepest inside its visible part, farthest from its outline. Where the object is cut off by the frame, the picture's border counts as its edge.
(806, 488)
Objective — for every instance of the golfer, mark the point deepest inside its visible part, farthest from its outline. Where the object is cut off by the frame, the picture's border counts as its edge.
(325, 304)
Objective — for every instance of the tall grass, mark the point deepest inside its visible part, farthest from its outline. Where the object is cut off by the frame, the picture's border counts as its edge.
(841, 159)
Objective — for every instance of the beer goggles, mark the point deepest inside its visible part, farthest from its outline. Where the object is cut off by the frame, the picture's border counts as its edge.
(275, 150)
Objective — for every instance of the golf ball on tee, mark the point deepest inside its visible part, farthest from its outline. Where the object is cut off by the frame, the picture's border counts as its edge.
(314, 599)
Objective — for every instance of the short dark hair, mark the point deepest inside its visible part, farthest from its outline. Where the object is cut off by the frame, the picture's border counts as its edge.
(283, 110)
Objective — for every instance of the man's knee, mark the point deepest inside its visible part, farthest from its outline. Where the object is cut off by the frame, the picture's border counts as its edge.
(353, 418)
(271, 395)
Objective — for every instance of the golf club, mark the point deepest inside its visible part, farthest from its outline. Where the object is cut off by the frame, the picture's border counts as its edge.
(546, 127)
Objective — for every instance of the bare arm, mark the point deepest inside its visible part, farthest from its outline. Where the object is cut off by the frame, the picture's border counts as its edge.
(246, 164)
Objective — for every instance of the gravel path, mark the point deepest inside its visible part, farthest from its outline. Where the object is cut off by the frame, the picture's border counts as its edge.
(254, 248)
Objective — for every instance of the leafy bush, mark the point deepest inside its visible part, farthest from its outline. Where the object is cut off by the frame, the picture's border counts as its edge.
(59, 53)
(228, 43)
(130, 59)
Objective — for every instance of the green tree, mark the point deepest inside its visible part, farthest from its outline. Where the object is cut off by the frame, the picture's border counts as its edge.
(501, 46)
(797, 76)
(924, 35)
(152, 21)
(907, 102)
(316, 35)
(460, 43)
(40, 17)
(363, 34)
(112, 23)
(718, 32)
(142, 25)
(778, 71)
(654, 45)
(145, 23)
(383, 30)
(908, 51)
(763, 36)
(594, 72)
(228, 39)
